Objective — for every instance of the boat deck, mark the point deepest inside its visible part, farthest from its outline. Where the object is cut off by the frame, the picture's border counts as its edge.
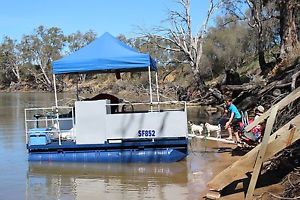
(140, 143)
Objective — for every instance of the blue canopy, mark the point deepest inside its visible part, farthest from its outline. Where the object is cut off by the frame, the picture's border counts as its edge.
(105, 54)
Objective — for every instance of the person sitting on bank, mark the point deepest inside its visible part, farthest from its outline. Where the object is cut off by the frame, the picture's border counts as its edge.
(259, 129)
(235, 118)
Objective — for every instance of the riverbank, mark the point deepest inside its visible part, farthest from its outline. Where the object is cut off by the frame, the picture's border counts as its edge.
(268, 183)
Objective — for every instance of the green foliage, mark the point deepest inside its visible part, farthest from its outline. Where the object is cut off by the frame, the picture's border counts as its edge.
(30, 59)
(78, 40)
(10, 72)
(37, 51)
(227, 46)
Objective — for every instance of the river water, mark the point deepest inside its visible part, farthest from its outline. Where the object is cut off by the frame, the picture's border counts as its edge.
(21, 179)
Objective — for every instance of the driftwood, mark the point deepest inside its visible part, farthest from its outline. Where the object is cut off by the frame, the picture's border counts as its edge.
(243, 87)
(265, 92)
(294, 78)
(252, 86)
(246, 96)
(274, 85)
(286, 101)
(212, 97)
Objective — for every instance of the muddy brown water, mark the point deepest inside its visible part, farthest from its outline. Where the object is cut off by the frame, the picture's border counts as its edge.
(21, 179)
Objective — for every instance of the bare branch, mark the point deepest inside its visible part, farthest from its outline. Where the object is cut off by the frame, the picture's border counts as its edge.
(181, 37)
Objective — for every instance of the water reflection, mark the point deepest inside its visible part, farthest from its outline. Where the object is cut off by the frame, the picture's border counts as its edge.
(105, 181)
(199, 115)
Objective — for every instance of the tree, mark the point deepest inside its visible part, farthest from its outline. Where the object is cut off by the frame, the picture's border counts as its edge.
(289, 11)
(9, 61)
(228, 46)
(259, 15)
(266, 16)
(39, 50)
(78, 40)
(181, 38)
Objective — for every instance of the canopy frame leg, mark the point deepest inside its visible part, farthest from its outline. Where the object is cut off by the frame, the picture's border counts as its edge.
(150, 87)
(157, 89)
(56, 108)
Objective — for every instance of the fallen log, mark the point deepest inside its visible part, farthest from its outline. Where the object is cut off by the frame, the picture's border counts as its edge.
(243, 87)
(294, 78)
(284, 102)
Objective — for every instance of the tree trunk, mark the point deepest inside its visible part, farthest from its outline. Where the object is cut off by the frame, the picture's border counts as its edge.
(16, 72)
(288, 28)
(200, 84)
(46, 78)
(261, 56)
(256, 8)
(261, 43)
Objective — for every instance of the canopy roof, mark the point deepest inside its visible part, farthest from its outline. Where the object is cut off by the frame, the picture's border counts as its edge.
(105, 54)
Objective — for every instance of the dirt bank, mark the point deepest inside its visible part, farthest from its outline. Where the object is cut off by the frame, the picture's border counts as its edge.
(227, 154)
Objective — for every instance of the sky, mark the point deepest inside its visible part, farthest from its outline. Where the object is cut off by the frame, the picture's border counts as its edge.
(21, 17)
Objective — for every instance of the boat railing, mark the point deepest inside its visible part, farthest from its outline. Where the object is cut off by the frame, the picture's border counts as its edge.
(59, 122)
(55, 122)
(133, 107)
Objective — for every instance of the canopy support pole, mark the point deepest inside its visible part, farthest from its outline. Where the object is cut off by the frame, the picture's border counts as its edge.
(150, 86)
(56, 109)
(77, 93)
(157, 88)
(55, 93)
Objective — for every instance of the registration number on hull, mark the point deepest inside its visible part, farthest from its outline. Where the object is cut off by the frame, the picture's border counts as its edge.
(146, 133)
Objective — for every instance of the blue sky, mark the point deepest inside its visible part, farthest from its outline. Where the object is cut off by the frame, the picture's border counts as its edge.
(21, 17)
